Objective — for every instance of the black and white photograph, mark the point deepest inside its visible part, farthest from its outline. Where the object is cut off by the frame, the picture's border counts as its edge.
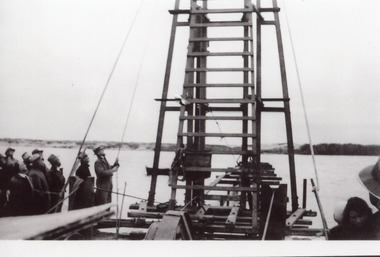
(129, 124)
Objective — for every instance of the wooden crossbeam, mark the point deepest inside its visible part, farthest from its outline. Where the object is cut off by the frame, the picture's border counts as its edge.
(292, 219)
(231, 219)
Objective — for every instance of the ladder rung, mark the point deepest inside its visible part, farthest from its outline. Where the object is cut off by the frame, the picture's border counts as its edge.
(196, 54)
(206, 39)
(224, 109)
(268, 23)
(222, 197)
(202, 134)
(273, 109)
(206, 169)
(227, 101)
(219, 85)
(179, 11)
(222, 228)
(220, 24)
(275, 99)
(276, 9)
(232, 152)
(172, 108)
(216, 188)
(218, 69)
(205, 11)
(216, 118)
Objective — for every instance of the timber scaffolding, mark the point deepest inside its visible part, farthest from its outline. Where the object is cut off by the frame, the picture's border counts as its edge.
(247, 201)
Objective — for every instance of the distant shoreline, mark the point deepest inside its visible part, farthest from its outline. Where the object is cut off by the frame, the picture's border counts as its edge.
(281, 148)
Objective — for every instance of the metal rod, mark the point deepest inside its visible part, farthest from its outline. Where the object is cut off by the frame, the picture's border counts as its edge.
(315, 190)
(268, 215)
(121, 210)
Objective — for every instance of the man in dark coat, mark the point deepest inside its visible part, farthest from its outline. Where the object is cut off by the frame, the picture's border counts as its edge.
(10, 168)
(21, 200)
(56, 181)
(84, 196)
(104, 173)
(40, 184)
(370, 178)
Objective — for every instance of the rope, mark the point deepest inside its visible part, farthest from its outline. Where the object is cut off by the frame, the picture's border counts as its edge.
(136, 197)
(303, 100)
(76, 187)
(100, 100)
(225, 139)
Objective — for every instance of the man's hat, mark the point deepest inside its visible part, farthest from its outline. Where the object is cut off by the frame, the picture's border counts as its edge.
(9, 149)
(98, 147)
(53, 159)
(34, 157)
(370, 178)
(37, 151)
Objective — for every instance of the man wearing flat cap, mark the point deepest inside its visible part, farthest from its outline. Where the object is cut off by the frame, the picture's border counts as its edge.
(56, 181)
(104, 173)
(370, 179)
(40, 185)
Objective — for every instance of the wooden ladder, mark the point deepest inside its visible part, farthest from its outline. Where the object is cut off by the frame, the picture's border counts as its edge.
(201, 79)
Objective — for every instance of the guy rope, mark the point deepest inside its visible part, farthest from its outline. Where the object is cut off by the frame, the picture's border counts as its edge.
(76, 162)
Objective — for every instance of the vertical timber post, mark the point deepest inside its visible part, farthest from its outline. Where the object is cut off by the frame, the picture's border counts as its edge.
(288, 123)
(157, 149)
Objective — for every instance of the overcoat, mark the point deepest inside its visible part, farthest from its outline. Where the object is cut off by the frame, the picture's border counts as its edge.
(56, 182)
(21, 200)
(41, 191)
(103, 180)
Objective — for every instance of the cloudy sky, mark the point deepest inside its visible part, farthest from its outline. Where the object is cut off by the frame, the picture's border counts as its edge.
(56, 56)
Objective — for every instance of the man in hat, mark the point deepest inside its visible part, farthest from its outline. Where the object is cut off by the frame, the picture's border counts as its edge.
(10, 169)
(25, 157)
(42, 160)
(40, 185)
(84, 196)
(104, 173)
(370, 179)
(56, 181)
(21, 200)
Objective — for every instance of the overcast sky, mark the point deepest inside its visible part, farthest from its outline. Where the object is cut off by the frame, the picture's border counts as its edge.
(56, 56)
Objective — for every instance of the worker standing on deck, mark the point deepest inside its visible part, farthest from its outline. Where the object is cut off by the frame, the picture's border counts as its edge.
(370, 178)
(21, 198)
(56, 181)
(104, 173)
(40, 185)
(10, 168)
(84, 196)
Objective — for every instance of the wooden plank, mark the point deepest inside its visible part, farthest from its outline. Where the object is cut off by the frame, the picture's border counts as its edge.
(143, 207)
(231, 219)
(207, 39)
(219, 69)
(216, 188)
(218, 85)
(291, 220)
(216, 118)
(220, 24)
(222, 197)
(126, 223)
(230, 10)
(222, 228)
(196, 54)
(201, 134)
(51, 226)
(221, 101)
(151, 215)
(203, 169)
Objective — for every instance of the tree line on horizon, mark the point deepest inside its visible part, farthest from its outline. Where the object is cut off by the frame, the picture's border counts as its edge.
(340, 149)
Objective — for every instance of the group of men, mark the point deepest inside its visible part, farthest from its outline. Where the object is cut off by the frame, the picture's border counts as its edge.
(29, 187)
